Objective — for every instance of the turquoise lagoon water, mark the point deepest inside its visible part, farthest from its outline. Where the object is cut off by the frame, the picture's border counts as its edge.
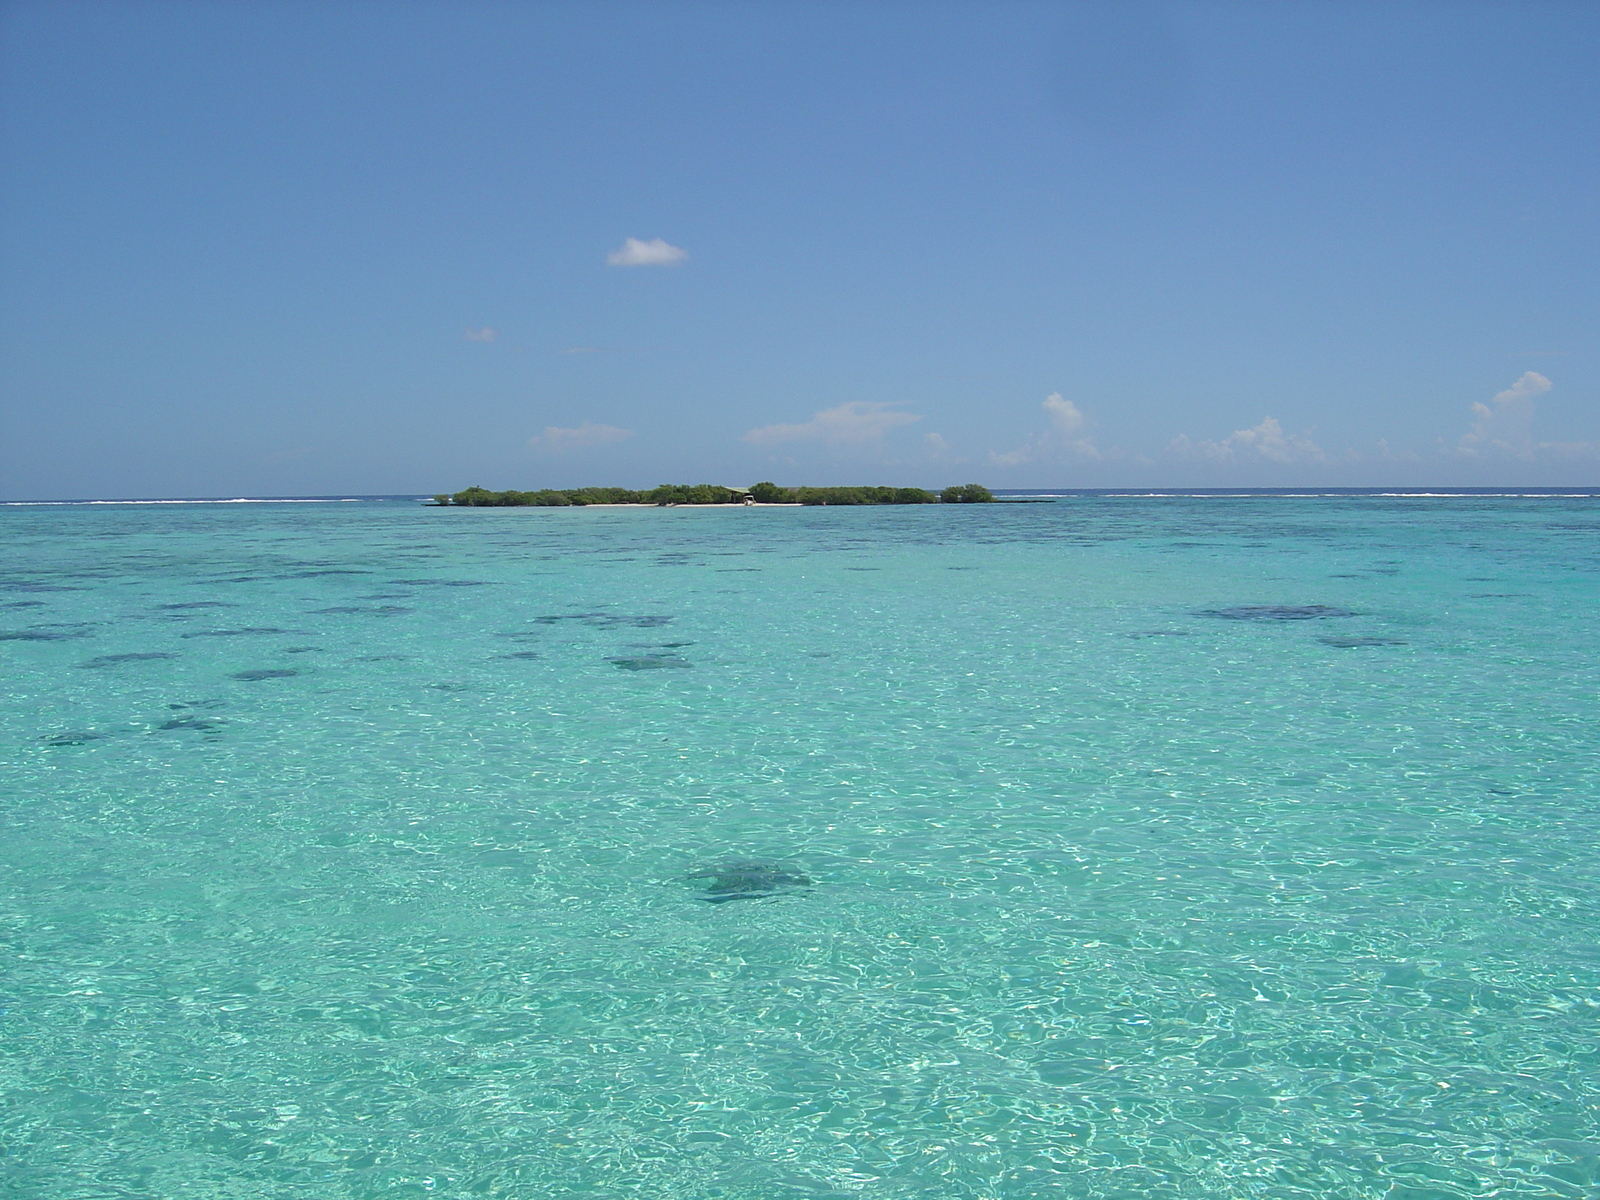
(347, 850)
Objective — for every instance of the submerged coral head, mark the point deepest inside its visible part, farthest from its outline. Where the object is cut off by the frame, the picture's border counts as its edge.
(747, 881)
(1276, 612)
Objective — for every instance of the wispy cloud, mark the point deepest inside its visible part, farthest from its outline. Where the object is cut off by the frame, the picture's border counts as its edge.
(1266, 442)
(556, 440)
(654, 253)
(1504, 426)
(851, 424)
(482, 335)
(1067, 436)
(938, 449)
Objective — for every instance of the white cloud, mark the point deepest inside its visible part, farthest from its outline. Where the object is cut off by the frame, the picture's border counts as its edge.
(556, 440)
(1266, 442)
(1504, 426)
(1065, 416)
(482, 335)
(1066, 436)
(939, 449)
(847, 425)
(654, 253)
(1383, 452)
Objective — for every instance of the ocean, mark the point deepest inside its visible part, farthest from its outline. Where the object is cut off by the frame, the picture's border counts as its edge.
(1166, 844)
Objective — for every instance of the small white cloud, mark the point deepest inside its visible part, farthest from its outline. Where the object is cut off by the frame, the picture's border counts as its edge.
(1065, 437)
(1266, 442)
(482, 335)
(1065, 416)
(654, 253)
(1504, 426)
(555, 440)
(1384, 452)
(939, 449)
(847, 425)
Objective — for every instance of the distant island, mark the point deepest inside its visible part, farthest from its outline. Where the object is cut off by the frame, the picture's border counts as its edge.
(711, 493)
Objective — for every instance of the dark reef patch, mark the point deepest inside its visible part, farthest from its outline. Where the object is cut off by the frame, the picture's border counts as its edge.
(43, 635)
(601, 620)
(1150, 633)
(113, 660)
(187, 704)
(187, 604)
(250, 632)
(76, 737)
(1351, 643)
(648, 662)
(302, 649)
(441, 583)
(382, 610)
(524, 654)
(263, 673)
(318, 573)
(190, 724)
(747, 881)
(1276, 612)
(24, 604)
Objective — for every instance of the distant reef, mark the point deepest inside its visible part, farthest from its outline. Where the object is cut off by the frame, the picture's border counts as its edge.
(711, 493)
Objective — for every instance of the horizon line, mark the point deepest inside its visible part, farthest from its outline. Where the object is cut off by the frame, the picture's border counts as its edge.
(1128, 491)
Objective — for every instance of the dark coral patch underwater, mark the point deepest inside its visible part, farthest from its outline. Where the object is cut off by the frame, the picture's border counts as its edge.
(77, 737)
(115, 660)
(648, 662)
(1276, 612)
(747, 881)
(381, 610)
(250, 631)
(602, 620)
(190, 725)
(440, 583)
(263, 673)
(1351, 643)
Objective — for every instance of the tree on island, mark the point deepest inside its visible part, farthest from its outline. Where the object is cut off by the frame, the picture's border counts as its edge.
(967, 493)
(765, 492)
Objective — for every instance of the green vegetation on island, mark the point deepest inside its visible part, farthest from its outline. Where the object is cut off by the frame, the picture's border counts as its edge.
(711, 493)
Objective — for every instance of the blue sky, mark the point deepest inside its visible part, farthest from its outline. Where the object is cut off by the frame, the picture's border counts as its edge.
(304, 248)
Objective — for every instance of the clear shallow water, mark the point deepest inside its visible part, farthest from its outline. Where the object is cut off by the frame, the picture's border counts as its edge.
(1110, 899)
